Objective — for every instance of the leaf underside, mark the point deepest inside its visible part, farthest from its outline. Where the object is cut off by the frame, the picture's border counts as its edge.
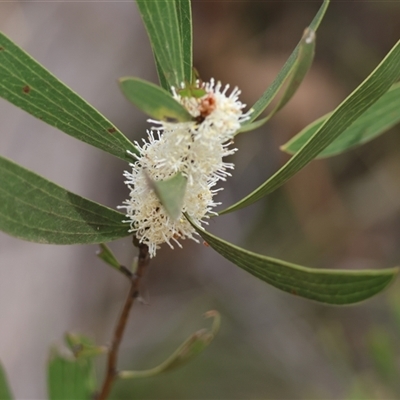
(162, 24)
(28, 85)
(338, 287)
(184, 13)
(370, 91)
(296, 75)
(153, 100)
(35, 209)
(379, 118)
(288, 69)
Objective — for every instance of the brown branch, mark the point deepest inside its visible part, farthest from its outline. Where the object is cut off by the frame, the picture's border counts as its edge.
(111, 373)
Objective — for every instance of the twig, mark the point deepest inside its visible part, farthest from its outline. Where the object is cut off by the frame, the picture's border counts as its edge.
(111, 373)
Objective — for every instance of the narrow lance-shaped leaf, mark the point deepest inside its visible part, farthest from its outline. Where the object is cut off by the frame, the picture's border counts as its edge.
(251, 126)
(153, 100)
(263, 102)
(303, 63)
(109, 258)
(5, 391)
(330, 286)
(304, 59)
(162, 25)
(184, 12)
(192, 347)
(161, 77)
(35, 209)
(70, 378)
(373, 87)
(379, 118)
(28, 85)
(171, 193)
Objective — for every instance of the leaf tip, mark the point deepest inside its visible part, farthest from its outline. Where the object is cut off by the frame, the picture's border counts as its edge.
(216, 320)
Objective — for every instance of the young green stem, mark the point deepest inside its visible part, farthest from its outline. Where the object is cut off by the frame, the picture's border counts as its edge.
(111, 372)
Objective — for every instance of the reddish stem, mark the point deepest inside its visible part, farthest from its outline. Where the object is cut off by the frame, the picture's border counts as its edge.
(111, 373)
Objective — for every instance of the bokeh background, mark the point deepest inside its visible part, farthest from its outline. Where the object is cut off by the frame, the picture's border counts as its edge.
(342, 212)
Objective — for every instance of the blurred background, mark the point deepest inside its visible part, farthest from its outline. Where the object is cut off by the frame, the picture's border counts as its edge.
(342, 212)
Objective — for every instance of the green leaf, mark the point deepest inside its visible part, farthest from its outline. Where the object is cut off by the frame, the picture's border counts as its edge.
(108, 256)
(171, 193)
(377, 119)
(35, 209)
(162, 24)
(191, 348)
(251, 126)
(5, 392)
(161, 77)
(324, 285)
(305, 57)
(69, 378)
(184, 12)
(382, 349)
(83, 346)
(373, 87)
(287, 70)
(153, 100)
(302, 64)
(28, 85)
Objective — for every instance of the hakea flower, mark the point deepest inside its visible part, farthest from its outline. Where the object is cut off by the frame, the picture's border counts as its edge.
(196, 149)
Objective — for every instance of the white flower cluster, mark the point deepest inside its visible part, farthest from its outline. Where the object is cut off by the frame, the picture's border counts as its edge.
(196, 150)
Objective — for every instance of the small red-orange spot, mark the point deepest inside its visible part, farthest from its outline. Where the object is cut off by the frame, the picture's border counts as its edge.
(206, 244)
(1, 48)
(111, 130)
(293, 292)
(207, 105)
(26, 89)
